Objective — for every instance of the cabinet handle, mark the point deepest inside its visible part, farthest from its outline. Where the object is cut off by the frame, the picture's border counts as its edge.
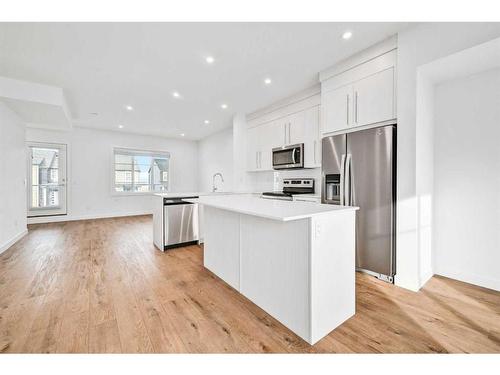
(256, 159)
(347, 112)
(284, 134)
(289, 131)
(314, 151)
(356, 107)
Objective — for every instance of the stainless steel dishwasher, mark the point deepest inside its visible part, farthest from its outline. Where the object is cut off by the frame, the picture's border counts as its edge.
(180, 222)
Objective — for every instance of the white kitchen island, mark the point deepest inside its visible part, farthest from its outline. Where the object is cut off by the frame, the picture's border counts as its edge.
(295, 260)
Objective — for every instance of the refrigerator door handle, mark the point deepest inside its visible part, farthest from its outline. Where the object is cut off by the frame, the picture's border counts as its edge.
(349, 181)
(342, 179)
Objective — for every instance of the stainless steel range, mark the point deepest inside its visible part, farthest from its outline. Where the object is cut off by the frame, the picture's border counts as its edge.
(291, 187)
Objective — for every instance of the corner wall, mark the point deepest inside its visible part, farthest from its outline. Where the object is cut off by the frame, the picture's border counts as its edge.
(417, 46)
(467, 179)
(12, 178)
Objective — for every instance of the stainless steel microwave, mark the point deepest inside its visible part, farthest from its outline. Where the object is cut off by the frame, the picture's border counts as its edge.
(288, 157)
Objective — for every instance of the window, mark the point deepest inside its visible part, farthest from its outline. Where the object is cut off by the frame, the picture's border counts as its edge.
(140, 171)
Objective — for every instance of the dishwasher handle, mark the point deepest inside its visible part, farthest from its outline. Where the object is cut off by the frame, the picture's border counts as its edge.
(176, 201)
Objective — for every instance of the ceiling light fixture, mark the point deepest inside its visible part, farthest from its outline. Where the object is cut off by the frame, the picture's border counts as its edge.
(175, 94)
(347, 35)
(206, 122)
(182, 134)
(267, 81)
(209, 59)
(129, 108)
(120, 126)
(223, 106)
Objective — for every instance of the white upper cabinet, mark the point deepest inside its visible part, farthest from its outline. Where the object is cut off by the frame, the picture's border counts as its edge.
(311, 138)
(260, 142)
(252, 149)
(336, 109)
(296, 128)
(361, 91)
(374, 98)
(289, 122)
(300, 127)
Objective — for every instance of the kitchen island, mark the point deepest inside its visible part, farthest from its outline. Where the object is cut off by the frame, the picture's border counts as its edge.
(295, 260)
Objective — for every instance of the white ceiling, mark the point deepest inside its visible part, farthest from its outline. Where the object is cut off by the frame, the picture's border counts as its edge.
(104, 66)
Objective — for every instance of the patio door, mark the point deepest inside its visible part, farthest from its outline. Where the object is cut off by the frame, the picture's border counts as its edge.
(46, 179)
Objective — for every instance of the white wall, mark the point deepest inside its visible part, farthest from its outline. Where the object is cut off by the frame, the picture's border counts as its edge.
(467, 179)
(12, 178)
(417, 46)
(215, 154)
(90, 166)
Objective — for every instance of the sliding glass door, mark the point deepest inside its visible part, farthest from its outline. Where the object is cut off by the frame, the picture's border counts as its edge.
(46, 179)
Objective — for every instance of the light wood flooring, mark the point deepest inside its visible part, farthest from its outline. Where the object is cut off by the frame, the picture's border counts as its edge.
(100, 286)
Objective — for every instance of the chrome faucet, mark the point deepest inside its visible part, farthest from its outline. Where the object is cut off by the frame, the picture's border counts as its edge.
(214, 188)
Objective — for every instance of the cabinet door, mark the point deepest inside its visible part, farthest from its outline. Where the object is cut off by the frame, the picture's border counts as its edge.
(336, 109)
(276, 133)
(296, 131)
(269, 137)
(374, 98)
(281, 130)
(252, 150)
(311, 137)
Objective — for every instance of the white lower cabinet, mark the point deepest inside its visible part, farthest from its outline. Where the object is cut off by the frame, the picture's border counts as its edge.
(301, 272)
(275, 269)
(221, 253)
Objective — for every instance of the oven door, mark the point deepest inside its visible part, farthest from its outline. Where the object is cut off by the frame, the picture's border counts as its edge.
(288, 157)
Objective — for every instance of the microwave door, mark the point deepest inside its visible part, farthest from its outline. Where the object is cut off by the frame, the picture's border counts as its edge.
(282, 158)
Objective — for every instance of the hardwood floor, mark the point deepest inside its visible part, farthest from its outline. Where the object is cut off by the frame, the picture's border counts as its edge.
(100, 286)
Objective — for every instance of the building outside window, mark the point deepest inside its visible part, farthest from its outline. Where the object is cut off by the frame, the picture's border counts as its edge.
(137, 171)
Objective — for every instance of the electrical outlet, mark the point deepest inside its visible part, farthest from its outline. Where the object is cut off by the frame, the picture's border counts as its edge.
(318, 229)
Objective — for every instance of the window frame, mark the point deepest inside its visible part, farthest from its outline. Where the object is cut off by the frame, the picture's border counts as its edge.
(135, 152)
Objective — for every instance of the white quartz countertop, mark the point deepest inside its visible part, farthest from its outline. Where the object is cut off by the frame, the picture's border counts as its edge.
(199, 194)
(268, 208)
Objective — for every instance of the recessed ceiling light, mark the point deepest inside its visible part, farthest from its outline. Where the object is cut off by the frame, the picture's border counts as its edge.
(129, 108)
(347, 35)
(182, 134)
(209, 59)
(267, 81)
(175, 94)
(206, 122)
(120, 126)
(223, 106)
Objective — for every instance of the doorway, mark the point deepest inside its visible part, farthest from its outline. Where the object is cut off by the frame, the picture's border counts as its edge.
(46, 179)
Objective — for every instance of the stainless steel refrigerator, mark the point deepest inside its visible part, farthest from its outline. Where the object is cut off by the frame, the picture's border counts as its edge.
(359, 169)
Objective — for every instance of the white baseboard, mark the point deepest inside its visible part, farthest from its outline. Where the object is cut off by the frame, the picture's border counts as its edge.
(13, 240)
(61, 218)
(480, 280)
(426, 276)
